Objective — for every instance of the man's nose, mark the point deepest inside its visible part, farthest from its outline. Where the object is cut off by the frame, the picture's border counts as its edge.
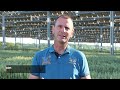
(63, 29)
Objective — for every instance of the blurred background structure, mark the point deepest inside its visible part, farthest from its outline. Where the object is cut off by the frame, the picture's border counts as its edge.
(97, 27)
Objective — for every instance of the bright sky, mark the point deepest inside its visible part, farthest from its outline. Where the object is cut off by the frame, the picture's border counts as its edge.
(31, 41)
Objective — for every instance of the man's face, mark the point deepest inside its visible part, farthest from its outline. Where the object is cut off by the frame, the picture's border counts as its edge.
(63, 30)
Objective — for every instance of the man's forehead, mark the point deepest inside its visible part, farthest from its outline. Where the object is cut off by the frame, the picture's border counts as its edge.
(64, 21)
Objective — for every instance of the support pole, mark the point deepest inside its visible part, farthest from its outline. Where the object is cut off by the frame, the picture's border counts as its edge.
(101, 37)
(48, 27)
(112, 32)
(39, 37)
(3, 31)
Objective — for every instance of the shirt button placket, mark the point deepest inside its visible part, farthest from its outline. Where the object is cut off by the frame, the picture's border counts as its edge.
(59, 59)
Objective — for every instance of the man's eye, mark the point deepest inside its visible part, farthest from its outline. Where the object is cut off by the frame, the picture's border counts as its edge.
(66, 28)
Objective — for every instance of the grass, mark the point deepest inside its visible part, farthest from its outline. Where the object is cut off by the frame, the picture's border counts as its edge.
(102, 65)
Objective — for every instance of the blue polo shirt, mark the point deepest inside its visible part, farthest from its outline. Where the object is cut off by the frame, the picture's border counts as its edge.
(72, 64)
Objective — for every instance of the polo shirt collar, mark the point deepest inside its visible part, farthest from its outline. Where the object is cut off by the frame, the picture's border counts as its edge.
(51, 49)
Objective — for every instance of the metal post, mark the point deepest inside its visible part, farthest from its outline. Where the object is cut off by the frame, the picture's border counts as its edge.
(78, 42)
(48, 27)
(21, 39)
(101, 36)
(39, 37)
(36, 41)
(15, 38)
(3, 31)
(74, 42)
(14, 30)
(111, 32)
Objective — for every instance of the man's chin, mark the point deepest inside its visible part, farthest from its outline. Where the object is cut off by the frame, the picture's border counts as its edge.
(63, 41)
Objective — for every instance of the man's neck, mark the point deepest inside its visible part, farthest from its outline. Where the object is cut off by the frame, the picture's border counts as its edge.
(60, 48)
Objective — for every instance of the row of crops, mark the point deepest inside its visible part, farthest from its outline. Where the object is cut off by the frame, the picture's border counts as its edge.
(102, 64)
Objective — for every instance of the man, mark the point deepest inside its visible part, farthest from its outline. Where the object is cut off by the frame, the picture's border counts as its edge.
(61, 61)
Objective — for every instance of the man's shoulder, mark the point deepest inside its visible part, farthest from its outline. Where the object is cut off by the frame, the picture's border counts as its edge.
(76, 51)
(42, 51)
(73, 49)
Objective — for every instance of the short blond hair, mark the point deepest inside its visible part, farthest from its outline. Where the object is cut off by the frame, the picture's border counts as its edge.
(65, 16)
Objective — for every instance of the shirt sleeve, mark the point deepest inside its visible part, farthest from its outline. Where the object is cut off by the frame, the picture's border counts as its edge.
(84, 67)
(35, 65)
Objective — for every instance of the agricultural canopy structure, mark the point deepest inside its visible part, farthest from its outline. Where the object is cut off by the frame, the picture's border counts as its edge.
(90, 26)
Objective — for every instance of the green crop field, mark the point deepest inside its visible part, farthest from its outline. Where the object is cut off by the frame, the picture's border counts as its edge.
(102, 65)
